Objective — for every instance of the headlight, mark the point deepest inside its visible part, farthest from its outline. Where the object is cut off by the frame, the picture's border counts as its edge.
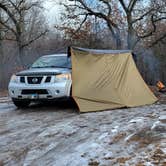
(14, 78)
(62, 77)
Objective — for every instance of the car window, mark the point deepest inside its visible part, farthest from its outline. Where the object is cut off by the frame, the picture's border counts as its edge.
(52, 61)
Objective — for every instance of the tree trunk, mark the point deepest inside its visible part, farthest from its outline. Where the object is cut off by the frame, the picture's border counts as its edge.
(118, 41)
(20, 55)
(20, 38)
(20, 52)
(116, 36)
(131, 37)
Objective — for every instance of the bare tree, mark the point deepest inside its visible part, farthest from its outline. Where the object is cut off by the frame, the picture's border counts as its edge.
(146, 22)
(119, 16)
(84, 9)
(22, 23)
(20, 20)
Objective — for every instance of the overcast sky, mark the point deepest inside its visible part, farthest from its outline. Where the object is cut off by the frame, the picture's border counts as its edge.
(52, 11)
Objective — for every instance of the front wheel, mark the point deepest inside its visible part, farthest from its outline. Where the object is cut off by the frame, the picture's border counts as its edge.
(71, 91)
(21, 103)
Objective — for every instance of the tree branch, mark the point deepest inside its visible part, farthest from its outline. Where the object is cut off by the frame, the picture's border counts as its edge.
(158, 40)
(123, 5)
(159, 19)
(9, 13)
(14, 5)
(152, 31)
(81, 24)
(97, 14)
(131, 4)
(36, 38)
(106, 2)
(8, 27)
(141, 17)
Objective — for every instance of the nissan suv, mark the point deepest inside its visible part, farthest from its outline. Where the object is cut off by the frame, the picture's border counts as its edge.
(48, 78)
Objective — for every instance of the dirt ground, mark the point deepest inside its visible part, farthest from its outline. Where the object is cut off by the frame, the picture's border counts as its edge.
(55, 134)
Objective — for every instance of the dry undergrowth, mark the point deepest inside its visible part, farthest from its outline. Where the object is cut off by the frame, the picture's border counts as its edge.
(145, 137)
(93, 163)
(117, 138)
(158, 157)
(1, 163)
(122, 160)
(3, 93)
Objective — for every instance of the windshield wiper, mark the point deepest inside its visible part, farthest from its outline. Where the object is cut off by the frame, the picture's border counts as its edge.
(51, 67)
(37, 67)
(57, 66)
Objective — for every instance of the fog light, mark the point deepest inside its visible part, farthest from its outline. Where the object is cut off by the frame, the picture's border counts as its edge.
(57, 91)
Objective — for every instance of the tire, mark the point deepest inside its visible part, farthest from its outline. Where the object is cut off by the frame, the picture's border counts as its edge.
(71, 91)
(21, 103)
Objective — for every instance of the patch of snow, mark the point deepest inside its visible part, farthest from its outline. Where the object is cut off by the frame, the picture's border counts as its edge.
(71, 160)
(138, 120)
(159, 126)
(38, 153)
(104, 135)
(155, 124)
(149, 164)
(162, 118)
(129, 137)
(108, 155)
(115, 129)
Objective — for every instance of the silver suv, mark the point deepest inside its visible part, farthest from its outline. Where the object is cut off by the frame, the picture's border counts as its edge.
(48, 78)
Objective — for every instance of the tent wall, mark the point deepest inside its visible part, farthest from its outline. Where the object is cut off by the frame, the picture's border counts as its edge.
(107, 81)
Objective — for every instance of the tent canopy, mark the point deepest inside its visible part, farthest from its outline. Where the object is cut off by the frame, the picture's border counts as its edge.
(107, 79)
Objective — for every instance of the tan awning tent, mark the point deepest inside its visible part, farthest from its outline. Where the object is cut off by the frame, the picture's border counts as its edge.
(105, 79)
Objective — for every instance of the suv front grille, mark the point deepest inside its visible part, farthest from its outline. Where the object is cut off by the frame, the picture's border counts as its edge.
(34, 91)
(22, 79)
(48, 79)
(34, 80)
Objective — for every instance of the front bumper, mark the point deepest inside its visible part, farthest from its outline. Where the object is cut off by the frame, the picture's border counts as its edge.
(54, 90)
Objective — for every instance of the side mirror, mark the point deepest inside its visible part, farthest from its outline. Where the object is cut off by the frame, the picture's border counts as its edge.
(28, 66)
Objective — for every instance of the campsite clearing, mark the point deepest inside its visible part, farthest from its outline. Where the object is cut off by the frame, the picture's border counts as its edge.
(58, 135)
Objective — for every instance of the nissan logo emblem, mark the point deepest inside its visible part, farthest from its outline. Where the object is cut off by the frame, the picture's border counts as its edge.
(34, 80)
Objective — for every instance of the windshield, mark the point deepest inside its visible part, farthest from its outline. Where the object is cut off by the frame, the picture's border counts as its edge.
(52, 61)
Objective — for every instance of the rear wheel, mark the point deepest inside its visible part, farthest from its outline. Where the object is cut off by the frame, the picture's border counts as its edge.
(21, 103)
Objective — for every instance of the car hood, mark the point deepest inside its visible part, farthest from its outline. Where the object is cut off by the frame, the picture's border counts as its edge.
(43, 71)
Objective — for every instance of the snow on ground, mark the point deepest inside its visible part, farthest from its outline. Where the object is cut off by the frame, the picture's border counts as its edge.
(57, 135)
